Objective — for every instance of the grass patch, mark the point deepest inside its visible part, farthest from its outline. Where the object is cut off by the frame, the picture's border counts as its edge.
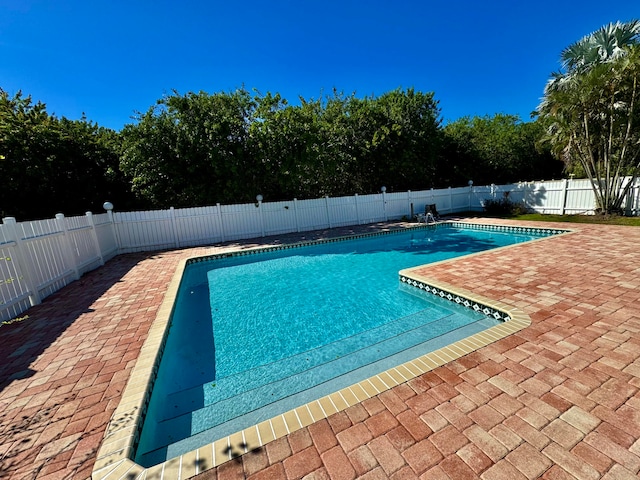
(602, 219)
(548, 217)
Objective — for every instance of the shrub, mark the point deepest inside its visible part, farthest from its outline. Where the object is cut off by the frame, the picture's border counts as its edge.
(503, 206)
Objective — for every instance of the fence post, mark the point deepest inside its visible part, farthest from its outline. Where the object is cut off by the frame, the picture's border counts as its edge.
(629, 200)
(108, 206)
(564, 196)
(221, 224)
(24, 266)
(260, 212)
(357, 211)
(326, 202)
(94, 236)
(174, 227)
(67, 249)
(409, 205)
(450, 200)
(295, 213)
(384, 203)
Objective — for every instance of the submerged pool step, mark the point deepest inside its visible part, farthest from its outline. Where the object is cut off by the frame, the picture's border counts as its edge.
(308, 383)
(198, 397)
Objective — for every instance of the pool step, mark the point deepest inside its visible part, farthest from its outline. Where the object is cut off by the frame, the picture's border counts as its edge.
(220, 389)
(408, 339)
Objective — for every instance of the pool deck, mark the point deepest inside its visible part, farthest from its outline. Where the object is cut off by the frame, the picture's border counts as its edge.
(557, 400)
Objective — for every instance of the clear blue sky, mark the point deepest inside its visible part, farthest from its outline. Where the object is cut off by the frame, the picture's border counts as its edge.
(109, 59)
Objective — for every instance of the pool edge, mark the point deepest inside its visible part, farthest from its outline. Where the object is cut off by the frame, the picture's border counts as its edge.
(114, 455)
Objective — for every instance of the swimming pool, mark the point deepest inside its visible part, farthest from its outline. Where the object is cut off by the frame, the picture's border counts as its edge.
(198, 382)
(114, 459)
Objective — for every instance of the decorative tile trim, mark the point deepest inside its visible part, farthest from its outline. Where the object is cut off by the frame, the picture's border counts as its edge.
(538, 232)
(460, 300)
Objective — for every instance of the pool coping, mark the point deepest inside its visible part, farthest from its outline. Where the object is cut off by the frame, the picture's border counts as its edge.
(113, 458)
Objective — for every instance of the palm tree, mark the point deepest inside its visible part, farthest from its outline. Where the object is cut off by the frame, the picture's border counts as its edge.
(591, 110)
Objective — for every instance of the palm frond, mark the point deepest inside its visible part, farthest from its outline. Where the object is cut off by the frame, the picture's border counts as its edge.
(606, 44)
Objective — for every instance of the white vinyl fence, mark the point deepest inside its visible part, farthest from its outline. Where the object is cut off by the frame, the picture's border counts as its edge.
(37, 258)
(176, 228)
(562, 197)
(40, 257)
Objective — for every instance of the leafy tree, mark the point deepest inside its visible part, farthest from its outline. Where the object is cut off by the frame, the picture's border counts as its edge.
(403, 148)
(341, 148)
(287, 144)
(50, 165)
(192, 149)
(340, 145)
(591, 109)
(498, 149)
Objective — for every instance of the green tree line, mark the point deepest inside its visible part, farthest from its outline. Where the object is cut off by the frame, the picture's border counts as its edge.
(199, 149)
(50, 165)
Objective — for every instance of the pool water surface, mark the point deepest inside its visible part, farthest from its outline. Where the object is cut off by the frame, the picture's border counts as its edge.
(253, 336)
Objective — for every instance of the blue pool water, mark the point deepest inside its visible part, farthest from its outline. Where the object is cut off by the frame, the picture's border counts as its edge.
(253, 336)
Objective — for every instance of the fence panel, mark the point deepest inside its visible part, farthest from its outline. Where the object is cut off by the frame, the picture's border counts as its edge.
(82, 243)
(279, 217)
(439, 198)
(549, 196)
(242, 221)
(105, 236)
(419, 200)
(442, 199)
(44, 248)
(14, 291)
(371, 208)
(343, 211)
(313, 214)
(632, 203)
(142, 231)
(197, 226)
(526, 194)
(579, 197)
(398, 205)
(516, 191)
(463, 199)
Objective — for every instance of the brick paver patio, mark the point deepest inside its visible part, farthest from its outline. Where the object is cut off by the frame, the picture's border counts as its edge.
(557, 400)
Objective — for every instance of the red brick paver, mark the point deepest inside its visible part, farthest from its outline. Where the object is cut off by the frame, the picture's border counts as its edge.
(559, 399)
